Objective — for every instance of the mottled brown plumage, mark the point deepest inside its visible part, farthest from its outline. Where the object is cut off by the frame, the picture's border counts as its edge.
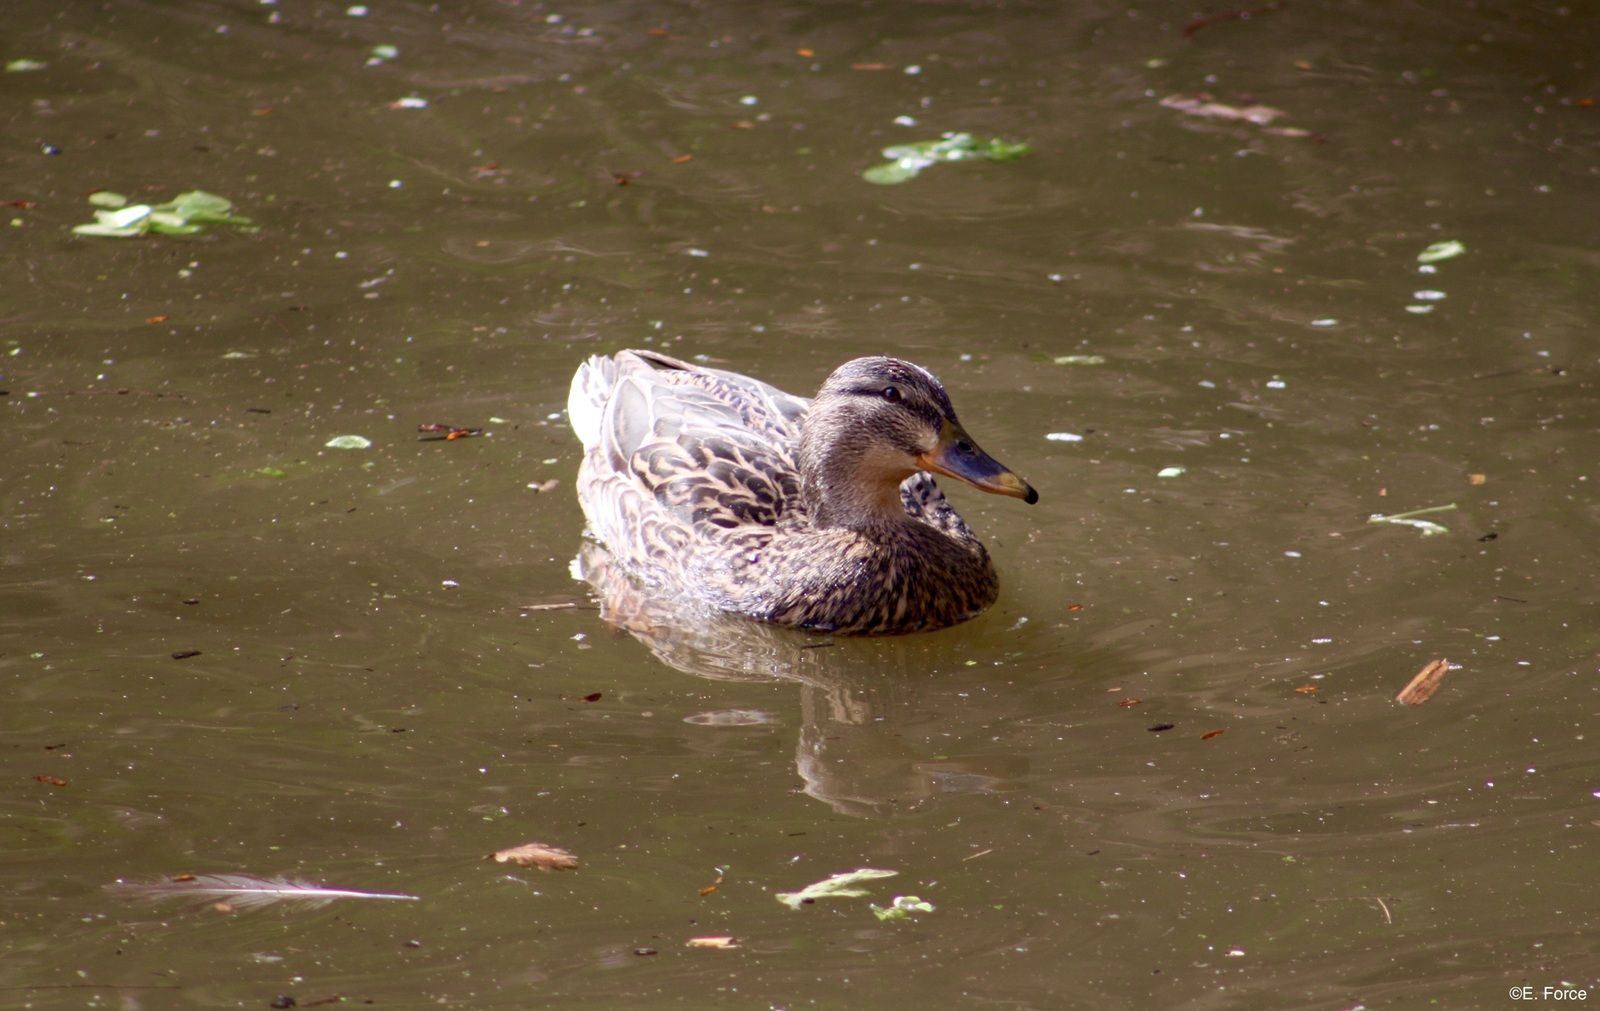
(726, 493)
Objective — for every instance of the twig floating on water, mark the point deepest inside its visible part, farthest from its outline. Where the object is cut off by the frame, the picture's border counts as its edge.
(447, 433)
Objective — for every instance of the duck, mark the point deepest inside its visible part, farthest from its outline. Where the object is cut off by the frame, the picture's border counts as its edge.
(721, 493)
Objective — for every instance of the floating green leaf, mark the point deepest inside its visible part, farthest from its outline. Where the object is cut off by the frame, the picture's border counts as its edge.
(274, 472)
(1441, 251)
(1171, 471)
(200, 207)
(907, 160)
(902, 907)
(185, 214)
(23, 65)
(839, 886)
(348, 442)
(892, 173)
(1409, 519)
(1079, 359)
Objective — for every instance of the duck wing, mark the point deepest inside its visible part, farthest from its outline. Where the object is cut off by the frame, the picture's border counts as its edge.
(677, 453)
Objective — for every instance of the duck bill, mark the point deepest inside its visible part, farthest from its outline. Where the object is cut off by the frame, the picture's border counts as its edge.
(959, 457)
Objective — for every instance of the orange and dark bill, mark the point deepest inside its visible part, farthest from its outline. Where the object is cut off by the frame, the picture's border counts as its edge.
(959, 457)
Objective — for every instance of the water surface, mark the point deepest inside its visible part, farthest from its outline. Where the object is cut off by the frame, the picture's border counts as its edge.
(395, 668)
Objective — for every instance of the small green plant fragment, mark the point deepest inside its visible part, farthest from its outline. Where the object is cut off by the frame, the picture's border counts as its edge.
(23, 65)
(380, 54)
(348, 442)
(120, 223)
(1441, 251)
(185, 214)
(1409, 519)
(902, 907)
(1079, 360)
(273, 472)
(839, 886)
(907, 160)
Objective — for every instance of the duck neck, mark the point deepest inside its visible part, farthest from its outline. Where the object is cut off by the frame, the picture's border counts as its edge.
(846, 486)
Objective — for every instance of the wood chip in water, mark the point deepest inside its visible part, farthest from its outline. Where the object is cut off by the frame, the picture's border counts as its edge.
(1421, 688)
(713, 942)
(546, 858)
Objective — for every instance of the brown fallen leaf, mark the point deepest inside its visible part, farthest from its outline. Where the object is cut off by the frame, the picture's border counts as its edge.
(51, 780)
(713, 942)
(1307, 689)
(1421, 688)
(679, 159)
(1477, 479)
(1209, 734)
(546, 858)
(159, 317)
(808, 53)
(1130, 702)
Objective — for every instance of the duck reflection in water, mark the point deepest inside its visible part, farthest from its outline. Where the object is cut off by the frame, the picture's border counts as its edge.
(874, 713)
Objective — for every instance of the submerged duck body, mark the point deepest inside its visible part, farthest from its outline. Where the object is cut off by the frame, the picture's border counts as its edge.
(728, 494)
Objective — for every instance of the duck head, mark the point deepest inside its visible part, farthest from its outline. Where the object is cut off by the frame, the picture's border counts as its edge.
(875, 422)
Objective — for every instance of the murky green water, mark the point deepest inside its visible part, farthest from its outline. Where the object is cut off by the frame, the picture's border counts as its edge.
(390, 684)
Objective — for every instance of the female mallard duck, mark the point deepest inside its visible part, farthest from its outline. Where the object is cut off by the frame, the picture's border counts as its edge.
(727, 493)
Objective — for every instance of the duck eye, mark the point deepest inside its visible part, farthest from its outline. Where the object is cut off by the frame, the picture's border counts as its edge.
(891, 394)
